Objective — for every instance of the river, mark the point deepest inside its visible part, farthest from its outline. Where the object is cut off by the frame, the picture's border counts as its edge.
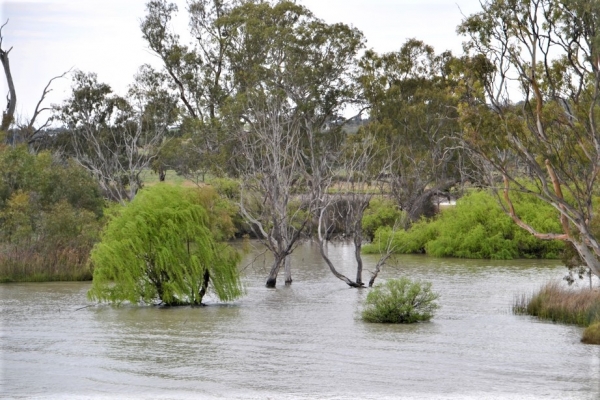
(303, 341)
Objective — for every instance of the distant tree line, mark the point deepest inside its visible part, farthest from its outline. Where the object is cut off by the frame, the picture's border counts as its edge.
(260, 96)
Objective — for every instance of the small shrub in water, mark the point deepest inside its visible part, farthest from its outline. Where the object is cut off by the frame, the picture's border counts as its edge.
(591, 334)
(400, 301)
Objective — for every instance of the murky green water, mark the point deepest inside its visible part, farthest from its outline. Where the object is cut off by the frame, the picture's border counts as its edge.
(305, 341)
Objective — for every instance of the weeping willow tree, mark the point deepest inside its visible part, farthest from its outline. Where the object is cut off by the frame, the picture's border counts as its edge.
(160, 248)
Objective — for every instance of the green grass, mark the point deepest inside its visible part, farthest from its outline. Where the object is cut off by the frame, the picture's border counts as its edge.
(150, 178)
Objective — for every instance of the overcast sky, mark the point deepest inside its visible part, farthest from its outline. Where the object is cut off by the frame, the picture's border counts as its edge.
(103, 36)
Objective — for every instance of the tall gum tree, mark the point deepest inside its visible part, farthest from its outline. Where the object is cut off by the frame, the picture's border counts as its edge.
(291, 72)
(530, 107)
(258, 82)
(408, 94)
(197, 73)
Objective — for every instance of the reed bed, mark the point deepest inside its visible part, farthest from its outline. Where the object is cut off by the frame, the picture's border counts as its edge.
(32, 264)
(559, 304)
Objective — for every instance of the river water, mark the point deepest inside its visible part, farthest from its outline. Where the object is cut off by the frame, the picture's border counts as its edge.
(303, 341)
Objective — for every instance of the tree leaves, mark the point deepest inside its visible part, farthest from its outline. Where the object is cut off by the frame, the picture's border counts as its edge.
(160, 248)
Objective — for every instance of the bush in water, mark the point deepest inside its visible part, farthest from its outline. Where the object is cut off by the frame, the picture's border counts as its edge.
(591, 335)
(400, 301)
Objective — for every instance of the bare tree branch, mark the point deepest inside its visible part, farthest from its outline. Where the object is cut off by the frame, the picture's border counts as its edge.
(8, 115)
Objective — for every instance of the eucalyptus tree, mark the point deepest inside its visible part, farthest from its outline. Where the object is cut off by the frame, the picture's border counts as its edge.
(413, 114)
(197, 72)
(113, 137)
(291, 72)
(530, 108)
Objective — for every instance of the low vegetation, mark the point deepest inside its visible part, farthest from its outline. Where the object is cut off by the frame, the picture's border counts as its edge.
(477, 227)
(591, 334)
(400, 301)
(381, 212)
(51, 213)
(558, 304)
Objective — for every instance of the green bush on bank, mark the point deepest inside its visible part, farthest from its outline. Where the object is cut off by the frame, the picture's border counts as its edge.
(381, 212)
(477, 227)
(400, 301)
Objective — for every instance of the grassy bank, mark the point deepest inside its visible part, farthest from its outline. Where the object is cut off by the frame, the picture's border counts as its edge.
(558, 304)
(32, 265)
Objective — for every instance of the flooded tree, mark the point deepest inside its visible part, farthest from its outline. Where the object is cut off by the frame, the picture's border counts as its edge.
(291, 74)
(160, 248)
(342, 200)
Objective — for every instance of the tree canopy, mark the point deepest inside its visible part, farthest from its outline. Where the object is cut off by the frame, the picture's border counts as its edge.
(546, 143)
(160, 248)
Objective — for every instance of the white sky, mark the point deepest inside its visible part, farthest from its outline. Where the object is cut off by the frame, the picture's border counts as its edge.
(103, 36)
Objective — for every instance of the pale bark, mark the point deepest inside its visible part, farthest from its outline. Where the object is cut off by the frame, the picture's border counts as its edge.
(551, 137)
(271, 152)
(35, 133)
(116, 154)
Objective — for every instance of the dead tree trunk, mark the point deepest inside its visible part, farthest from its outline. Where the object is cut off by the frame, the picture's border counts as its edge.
(322, 243)
(288, 270)
(8, 115)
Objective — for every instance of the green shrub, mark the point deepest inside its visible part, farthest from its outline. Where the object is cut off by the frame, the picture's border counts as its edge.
(477, 227)
(381, 212)
(591, 334)
(50, 217)
(400, 301)
(229, 188)
(401, 241)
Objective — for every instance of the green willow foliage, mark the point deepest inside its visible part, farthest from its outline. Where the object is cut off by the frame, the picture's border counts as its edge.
(400, 301)
(477, 227)
(160, 247)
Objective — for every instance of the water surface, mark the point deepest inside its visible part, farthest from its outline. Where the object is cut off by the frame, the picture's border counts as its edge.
(303, 341)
